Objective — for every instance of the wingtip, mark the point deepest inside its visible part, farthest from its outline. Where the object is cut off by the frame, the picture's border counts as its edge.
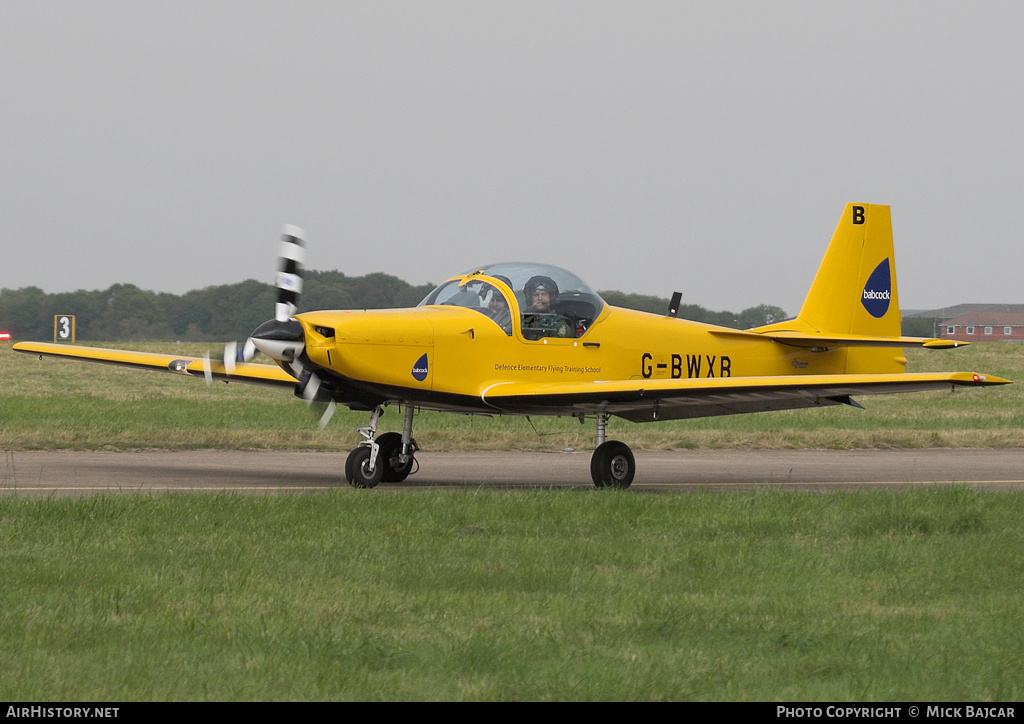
(944, 344)
(979, 378)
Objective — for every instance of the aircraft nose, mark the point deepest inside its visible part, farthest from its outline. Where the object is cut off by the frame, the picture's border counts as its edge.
(280, 340)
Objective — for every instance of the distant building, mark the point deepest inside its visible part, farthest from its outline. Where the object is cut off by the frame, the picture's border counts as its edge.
(978, 322)
(984, 327)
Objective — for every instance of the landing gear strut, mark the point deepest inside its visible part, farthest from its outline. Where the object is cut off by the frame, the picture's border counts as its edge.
(612, 465)
(388, 458)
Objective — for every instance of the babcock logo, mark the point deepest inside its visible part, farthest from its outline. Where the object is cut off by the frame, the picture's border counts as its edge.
(420, 369)
(878, 291)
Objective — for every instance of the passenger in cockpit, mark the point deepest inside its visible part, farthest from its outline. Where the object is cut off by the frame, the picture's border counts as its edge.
(497, 308)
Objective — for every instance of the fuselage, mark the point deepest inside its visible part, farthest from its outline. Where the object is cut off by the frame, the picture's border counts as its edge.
(446, 356)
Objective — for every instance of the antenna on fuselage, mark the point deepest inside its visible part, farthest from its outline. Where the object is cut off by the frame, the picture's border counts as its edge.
(673, 305)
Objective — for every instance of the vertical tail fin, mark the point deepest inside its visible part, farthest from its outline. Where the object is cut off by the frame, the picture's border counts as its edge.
(854, 294)
(854, 291)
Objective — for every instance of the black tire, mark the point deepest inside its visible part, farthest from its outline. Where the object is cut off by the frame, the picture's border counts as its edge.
(387, 457)
(357, 468)
(612, 465)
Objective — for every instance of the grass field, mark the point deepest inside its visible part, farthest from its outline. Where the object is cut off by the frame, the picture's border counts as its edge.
(524, 595)
(873, 595)
(52, 404)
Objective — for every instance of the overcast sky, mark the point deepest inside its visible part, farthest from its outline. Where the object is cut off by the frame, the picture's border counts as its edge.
(705, 147)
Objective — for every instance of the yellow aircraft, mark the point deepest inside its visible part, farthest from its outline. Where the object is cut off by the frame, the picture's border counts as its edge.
(532, 339)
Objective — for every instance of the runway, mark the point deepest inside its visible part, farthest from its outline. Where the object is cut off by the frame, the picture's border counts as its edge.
(90, 473)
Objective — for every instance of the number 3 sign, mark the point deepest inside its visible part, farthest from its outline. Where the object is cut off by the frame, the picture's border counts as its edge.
(64, 328)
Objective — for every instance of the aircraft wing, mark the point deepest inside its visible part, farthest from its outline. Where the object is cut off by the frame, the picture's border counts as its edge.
(649, 400)
(244, 371)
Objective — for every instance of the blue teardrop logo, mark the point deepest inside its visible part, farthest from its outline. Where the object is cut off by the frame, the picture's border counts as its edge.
(420, 369)
(878, 291)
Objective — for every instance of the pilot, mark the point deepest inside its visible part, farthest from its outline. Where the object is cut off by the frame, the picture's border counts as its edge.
(541, 292)
(539, 317)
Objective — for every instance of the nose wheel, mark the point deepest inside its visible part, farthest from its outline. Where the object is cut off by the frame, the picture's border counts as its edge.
(389, 458)
(362, 468)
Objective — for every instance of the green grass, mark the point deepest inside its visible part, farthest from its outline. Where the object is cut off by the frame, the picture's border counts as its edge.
(51, 404)
(524, 595)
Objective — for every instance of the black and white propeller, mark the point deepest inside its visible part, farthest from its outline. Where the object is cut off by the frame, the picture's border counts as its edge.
(282, 338)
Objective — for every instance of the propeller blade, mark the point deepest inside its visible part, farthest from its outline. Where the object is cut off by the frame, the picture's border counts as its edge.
(206, 369)
(291, 261)
(230, 354)
(311, 388)
(234, 355)
(315, 394)
(328, 414)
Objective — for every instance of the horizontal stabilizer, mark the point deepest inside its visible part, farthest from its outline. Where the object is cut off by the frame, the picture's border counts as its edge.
(829, 341)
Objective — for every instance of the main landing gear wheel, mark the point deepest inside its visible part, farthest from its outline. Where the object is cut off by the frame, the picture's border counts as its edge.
(390, 458)
(612, 465)
(357, 468)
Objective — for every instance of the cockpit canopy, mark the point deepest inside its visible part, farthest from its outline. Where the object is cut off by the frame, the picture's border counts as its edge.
(567, 310)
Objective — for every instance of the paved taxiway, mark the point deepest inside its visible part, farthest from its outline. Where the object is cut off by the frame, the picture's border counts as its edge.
(86, 473)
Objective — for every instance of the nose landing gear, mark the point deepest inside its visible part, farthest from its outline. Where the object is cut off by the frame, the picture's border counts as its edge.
(387, 459)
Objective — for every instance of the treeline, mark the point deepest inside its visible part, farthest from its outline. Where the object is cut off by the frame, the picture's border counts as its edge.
(231, 311)
(747, 319)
